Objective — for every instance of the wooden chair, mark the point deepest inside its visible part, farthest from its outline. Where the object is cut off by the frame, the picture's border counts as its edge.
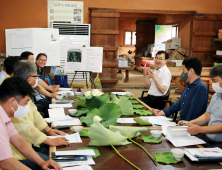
(165, 101)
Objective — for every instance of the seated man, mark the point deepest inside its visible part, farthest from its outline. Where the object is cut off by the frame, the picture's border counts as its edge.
(26, 55)
(30, 126)
(211, 134)
(159, 81)
(194, 98)
(8, 68)
(14, 102)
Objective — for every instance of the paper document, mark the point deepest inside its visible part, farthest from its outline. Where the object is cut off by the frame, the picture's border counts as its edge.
(81, 167)
(69, 105)
(89, 161)
(70, 122)
(205, 152)
(57, 112)
(73, 138)
(89, 152)
(70, 93)
(65, 89)
(175, 131)
(185, 141)
(59, 101)
(50, 120)
(120, 93)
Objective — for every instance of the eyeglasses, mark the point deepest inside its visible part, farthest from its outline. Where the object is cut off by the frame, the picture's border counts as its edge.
(159, 58)
(33, 76)
(43, 60)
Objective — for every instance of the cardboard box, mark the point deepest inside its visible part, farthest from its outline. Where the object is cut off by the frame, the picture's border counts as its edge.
(218, 52)
(178, 63)
(120, 77)
(173, 43)
(122, 63)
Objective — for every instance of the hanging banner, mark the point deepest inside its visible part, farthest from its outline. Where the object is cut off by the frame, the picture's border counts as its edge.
(65, 12)
(162, 33)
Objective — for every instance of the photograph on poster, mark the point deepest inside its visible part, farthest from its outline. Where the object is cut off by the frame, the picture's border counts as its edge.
(77, 11)
(74, 56)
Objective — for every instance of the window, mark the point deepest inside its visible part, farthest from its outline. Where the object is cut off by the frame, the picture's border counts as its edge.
(130, 38)
(175, 31)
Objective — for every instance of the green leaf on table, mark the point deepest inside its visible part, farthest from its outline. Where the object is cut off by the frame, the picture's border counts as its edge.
(109, 113)
(166, 157)
(63, 100)
(141, 122)
(101, 136)
(97, 101)
(131, 97)
(138, 106)
(133, 101)
(81, 111)
(124, 103)
(142, 112)
(150, 139)
(84, 133)
(95, 150)
(128, 131)
(81, 101)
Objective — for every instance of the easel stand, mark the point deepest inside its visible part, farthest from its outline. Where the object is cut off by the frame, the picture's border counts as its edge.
(83, 77)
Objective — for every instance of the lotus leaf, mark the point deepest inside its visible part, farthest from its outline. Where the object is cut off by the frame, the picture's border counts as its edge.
(127, 131)
(124, 103)
(81, 101)
(150, 139)
(109, 113)
(101, 136)
(95, 150)
(142, 122)
(142, 112)
(131, 97)
(138, 106)
(84, 133)
(63, 100)
(133, 101)
(97, 101)
(81, 111)
(165, 157)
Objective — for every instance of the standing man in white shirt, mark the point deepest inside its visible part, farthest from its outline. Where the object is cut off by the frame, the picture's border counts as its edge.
(159, 81)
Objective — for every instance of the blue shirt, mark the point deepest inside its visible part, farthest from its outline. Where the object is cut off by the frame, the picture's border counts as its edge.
(41, 73)
(192, 103)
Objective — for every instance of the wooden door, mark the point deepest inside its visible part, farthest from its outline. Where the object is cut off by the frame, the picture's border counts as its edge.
(104, 33)
(204, 34)
(145, 34)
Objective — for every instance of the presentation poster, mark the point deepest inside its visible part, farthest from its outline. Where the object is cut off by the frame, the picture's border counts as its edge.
(65, 11)
(84, 59)
(162, 33)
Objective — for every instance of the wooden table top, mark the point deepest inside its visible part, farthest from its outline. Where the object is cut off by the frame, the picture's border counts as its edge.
(109, 160)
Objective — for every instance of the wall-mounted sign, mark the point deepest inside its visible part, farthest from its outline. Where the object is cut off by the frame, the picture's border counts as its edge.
(65, 11)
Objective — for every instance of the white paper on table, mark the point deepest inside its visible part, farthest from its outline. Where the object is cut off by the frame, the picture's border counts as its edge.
(205, 152)
(59, 101)
(50, 120)
(69, 105)
(125, 120)
(121, 93)
(64, 89)
(57, 112)
(185, 141)
(73, 138)
(81, 167)
(69, 122)
(89, 161)
(89, 152)
(71, 93)
(192, 158)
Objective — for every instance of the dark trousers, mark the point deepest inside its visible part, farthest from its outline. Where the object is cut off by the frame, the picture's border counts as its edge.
(43, 106)
(209, 143)
(44, 149)
(31, 165)
(155, 102)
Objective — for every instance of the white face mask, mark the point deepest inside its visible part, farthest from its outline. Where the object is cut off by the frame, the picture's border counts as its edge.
(36, 82)
(22, 111)
(216, 87)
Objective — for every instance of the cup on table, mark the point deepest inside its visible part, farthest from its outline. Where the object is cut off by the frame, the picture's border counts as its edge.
(59, 97)
(77, 94)
(72, 111)
(156, 134)
(77, 128)
(177, 153)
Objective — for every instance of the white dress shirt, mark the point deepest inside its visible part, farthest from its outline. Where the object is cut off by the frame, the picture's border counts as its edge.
(2, 75)
(164, 77)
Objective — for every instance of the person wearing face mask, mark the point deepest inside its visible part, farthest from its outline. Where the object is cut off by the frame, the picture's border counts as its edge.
(14, 102)
(194, 98)
(31, 126)
(211, 134)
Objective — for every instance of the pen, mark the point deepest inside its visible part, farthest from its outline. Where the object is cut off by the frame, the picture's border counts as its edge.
(156, 125)
(182, 124)
(66, 140)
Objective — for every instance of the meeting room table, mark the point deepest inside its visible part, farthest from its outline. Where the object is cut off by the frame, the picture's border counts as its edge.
(109, 160)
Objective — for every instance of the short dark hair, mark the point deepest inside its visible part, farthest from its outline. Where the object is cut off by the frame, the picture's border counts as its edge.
(216, 71)
(40, 54)
(194, 63)
(9, 63)
(15, 87)
(25, 55)
(163, 52)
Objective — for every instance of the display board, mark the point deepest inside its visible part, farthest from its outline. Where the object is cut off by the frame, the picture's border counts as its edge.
(162, 33)
(84, 59)
(65, 11)
(35, 40)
